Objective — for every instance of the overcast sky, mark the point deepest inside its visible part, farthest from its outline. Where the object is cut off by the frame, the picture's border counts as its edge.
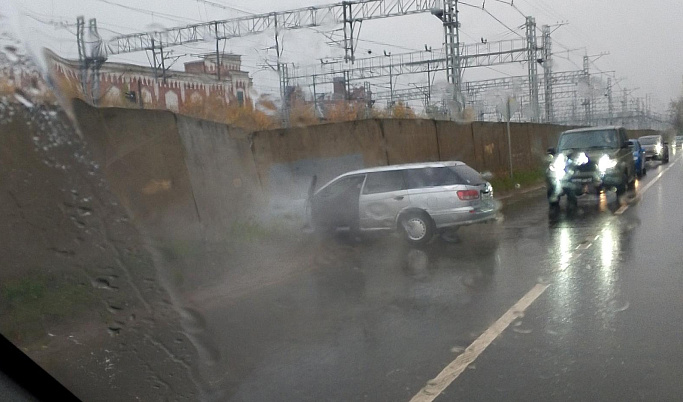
(644, 39)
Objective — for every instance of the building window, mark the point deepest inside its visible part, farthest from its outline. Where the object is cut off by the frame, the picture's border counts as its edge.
(240, 98)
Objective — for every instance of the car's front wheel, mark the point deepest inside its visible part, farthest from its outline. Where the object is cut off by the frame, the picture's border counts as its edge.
(416, 227)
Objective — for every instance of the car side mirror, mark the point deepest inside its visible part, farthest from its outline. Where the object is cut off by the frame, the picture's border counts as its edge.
(552, 151)
(487, 176)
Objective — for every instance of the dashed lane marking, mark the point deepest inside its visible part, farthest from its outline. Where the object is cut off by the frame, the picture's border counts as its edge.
(436, 386)
(623, 208)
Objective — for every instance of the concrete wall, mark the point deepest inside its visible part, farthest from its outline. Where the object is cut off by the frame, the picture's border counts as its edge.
(172, 170)
(223, 179)
(144, 160)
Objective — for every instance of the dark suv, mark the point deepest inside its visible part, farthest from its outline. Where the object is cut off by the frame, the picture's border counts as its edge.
(590, 160)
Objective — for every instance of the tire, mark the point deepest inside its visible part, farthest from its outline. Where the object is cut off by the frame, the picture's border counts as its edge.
(631, 185)
(623, 186)
(572, 201)
(416, 227)
(666, 159)
(553, 204)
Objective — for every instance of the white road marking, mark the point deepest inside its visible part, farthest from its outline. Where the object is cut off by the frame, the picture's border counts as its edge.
(436, 386)
(623, 208)
(584, 246)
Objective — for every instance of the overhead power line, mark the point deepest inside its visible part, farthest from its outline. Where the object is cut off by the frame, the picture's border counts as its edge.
(172, 17)
(492, 16)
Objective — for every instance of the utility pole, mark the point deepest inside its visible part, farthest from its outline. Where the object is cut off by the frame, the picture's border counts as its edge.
(283, 76)
(532, 50)
(588, 99)
(429, 86)
(509, 113)
(284, 85)
(96, 59)
(624, 107)
(548, 73)
(315, 98)
(218, 55)
(610, 104)
(163, 64)
(391, 84)
(451, 24)
(82, 55)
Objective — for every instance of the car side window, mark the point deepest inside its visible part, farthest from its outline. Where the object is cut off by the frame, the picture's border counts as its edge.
(430, 177)
(384, 182)
(342, 185)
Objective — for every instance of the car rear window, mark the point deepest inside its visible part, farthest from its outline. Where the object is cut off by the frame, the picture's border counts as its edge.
(648, 140)
(468, 175)
(441, 176)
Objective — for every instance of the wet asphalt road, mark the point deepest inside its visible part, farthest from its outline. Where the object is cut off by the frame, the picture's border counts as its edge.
(377, 320)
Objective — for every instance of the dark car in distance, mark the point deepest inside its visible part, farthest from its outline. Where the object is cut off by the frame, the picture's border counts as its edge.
(638, 157)
(590, 161)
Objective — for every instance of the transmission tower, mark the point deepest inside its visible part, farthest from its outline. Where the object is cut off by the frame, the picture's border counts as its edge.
(547, 73)
(451, 24)
(532, 50)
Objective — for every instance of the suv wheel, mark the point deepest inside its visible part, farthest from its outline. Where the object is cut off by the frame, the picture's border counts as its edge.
(623, 186)
(416, 227)
(551, 197)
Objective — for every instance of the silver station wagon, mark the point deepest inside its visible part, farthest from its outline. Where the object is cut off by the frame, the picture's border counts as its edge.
(418, 200)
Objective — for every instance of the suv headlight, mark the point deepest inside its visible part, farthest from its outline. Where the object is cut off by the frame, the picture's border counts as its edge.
(605, 163)
(658, 148)
(558, 166)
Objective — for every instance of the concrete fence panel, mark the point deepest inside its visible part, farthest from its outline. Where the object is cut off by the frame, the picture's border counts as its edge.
(456, 142)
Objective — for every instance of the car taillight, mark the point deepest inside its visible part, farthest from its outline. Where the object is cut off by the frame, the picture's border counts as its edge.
(467, 195)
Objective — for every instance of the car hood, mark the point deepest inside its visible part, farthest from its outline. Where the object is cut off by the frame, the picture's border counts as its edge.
(649, 147)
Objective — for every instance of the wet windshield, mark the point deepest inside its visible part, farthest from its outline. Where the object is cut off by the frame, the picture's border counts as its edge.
(589, 139)
(167, 231)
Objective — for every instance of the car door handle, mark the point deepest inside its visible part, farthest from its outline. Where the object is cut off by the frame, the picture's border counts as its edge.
(399, 198)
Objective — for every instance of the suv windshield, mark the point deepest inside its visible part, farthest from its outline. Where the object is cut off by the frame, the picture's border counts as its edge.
(648, 140)
(588, 139)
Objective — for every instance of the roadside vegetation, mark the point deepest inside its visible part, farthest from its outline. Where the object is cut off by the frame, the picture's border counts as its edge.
(519, 180)
(32, 303)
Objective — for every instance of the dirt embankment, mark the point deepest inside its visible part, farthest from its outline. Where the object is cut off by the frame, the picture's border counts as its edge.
(79, 290)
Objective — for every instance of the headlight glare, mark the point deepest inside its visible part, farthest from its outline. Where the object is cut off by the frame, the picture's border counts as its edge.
(558, 166)
(605, 163)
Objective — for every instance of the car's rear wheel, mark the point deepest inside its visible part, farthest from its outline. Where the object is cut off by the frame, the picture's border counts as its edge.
(416, 227)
